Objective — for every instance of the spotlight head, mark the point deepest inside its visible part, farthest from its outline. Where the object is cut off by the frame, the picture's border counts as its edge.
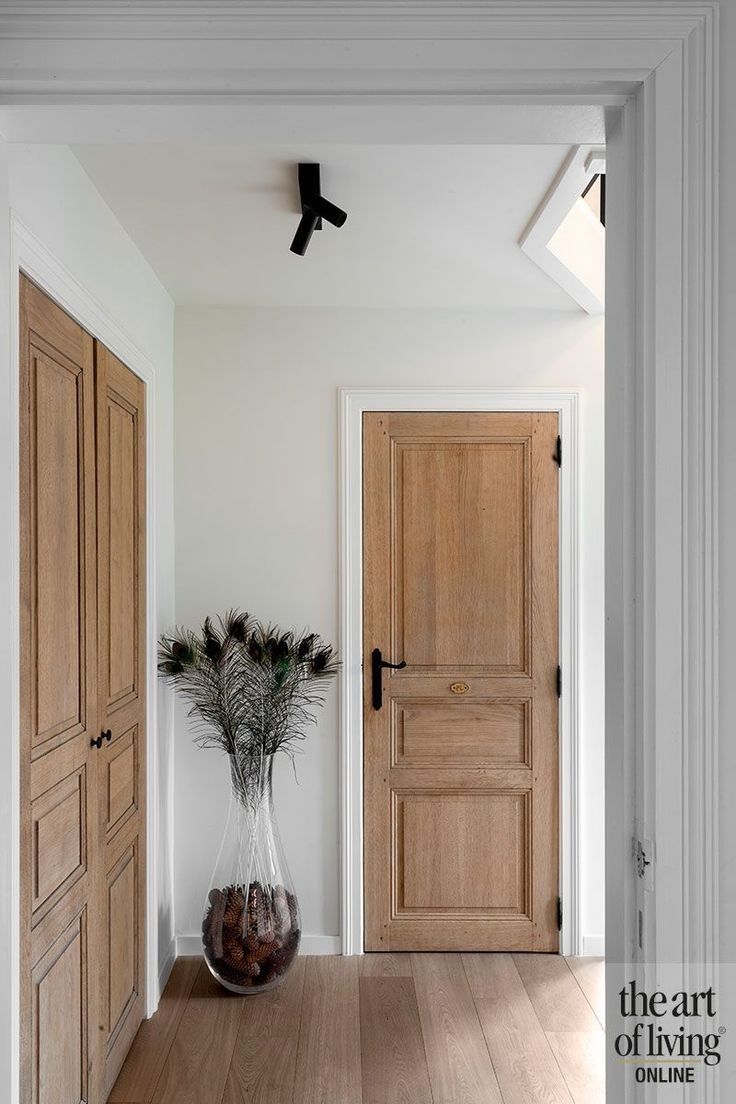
(314, 208)
(305, 229)
(328, 211)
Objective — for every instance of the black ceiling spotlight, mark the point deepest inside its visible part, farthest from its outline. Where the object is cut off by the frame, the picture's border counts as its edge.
(314, 208)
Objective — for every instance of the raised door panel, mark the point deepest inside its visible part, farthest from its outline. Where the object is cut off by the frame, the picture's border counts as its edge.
(119, 541)
(59, 549)
(124, 964)
(122, 927)
(435, 733)
(59, 840)
(460, 854)
(60, 1035)
(460, 555)
(122, 781)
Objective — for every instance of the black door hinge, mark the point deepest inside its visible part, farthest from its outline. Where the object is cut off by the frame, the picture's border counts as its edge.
(559, 682)
(559, 914)
(558, 453)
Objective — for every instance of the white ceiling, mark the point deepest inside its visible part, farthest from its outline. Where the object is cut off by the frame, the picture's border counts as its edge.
(428, 226)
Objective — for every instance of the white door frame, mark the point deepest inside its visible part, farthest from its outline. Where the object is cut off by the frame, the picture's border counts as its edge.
(29, 255)
(353, 402)
(401, 70)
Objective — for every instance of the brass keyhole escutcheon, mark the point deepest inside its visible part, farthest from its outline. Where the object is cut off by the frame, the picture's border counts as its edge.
(459, 687)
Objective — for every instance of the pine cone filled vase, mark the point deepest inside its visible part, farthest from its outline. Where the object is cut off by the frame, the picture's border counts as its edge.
(251, 925)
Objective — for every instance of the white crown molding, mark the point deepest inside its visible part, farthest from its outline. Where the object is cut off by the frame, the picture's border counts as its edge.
(165, 51)
(323, 18)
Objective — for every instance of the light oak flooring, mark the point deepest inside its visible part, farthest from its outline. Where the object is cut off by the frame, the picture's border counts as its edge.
(381, 1029)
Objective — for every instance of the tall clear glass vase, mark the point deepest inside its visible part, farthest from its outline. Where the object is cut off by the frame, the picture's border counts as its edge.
(251, 925)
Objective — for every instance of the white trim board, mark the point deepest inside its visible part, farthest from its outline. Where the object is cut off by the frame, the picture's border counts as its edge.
(31, 256)
(579, 168)
(353, 402)
(190, 945)
(594, 946)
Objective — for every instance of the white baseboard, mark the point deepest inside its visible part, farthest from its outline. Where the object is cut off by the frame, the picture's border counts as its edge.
(594, 945)
(164, 973)
(188, 945)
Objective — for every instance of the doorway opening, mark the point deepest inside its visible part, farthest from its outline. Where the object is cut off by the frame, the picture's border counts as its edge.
(571, 638)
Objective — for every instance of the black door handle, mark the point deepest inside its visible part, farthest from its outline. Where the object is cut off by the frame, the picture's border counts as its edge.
(377, 665)
(107, 735)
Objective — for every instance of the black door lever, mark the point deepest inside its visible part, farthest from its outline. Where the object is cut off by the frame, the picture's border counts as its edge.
(377, 665)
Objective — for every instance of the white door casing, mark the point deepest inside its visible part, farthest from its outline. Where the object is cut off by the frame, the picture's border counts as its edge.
(353, 402)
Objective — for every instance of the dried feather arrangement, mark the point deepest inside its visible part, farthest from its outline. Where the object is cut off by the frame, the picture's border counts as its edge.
(252, 688)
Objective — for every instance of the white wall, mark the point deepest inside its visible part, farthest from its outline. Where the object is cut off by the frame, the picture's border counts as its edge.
(54, 199)
(256, 526)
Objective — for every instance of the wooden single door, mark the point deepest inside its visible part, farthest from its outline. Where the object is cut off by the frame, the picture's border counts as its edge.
(121, 618)
(460, 538)
(82, 668)
(60, 914)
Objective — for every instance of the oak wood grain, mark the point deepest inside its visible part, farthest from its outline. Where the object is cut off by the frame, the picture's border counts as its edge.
(142, 1068)
(121, 691)
(522, 1058)
(460, 1069)
(59, 854)
(263, 1065)
(460, 580)
(590, 975)
(328, 1066)
(365, 1037)
(557, 998)
(396, 964)
(581, 1057)
(197, 1065)
(393, 1057)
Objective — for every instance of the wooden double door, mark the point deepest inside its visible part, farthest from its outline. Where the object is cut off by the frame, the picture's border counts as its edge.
(460, 539)
(82, 754)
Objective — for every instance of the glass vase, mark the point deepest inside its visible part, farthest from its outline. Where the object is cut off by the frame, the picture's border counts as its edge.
(251, 925)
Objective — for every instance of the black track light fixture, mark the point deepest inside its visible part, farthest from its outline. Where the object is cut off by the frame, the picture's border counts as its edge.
(314, 208)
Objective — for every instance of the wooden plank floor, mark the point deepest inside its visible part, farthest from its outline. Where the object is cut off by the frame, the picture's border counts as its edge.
(381, 1029)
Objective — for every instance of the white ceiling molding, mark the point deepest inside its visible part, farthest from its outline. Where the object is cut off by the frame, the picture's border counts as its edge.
(160, 52)
(539, 240)
(329, 19)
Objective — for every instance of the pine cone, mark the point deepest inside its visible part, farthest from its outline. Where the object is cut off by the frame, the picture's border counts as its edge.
(213, 922)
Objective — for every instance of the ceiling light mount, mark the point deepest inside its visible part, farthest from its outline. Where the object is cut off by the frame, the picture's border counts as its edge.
(314, 208)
